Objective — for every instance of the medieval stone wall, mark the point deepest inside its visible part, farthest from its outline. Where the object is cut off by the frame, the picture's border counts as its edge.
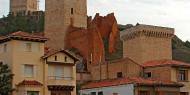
(145, 43)
(59, 16)
(17, 6)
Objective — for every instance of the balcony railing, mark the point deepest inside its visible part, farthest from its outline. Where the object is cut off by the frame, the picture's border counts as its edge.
(59, 78)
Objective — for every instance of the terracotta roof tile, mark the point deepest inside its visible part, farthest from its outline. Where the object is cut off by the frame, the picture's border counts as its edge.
(51, 52)
(136, 80)
(30, 83)
(165, 62)
(23, 36)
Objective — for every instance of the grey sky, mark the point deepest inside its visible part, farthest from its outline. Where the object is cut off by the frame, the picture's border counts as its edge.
(169, 13)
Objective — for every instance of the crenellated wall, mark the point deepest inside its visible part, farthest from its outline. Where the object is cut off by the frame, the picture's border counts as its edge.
(145, 43)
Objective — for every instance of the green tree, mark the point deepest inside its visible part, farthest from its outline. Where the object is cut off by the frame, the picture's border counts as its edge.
(187, 44)
(12, 23)
(5, 79)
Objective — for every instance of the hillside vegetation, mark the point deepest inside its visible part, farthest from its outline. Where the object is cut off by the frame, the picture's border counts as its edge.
(12, 23)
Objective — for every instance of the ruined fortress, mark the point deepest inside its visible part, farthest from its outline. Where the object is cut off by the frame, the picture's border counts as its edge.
(23, 6)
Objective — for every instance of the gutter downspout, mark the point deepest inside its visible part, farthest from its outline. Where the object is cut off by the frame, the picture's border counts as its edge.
(44, 76)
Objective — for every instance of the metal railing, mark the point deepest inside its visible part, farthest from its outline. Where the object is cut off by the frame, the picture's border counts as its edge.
(59, 78)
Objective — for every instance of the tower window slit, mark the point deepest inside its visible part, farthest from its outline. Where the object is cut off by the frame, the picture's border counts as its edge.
(72, 11)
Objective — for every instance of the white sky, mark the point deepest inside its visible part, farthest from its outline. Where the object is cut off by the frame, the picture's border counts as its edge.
(169, 13)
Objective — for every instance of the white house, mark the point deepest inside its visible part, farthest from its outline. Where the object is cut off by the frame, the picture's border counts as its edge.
(131, 86)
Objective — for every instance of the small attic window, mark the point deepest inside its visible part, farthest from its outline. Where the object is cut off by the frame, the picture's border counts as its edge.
(5, 47)
(72, 11)
(148, 75)
(119, 75)
(55, 58)
(65, 58)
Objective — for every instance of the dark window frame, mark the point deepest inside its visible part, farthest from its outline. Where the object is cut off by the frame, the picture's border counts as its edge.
(100, 93)
(148, 74)
(72, 11)
(55, 58)
(119, 74)
(183, 75)
(93, 93)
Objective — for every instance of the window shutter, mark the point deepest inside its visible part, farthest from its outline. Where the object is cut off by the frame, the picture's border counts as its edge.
(35, 71)
(186, 75)
(177, 75)
(22, 70)
(68, 73)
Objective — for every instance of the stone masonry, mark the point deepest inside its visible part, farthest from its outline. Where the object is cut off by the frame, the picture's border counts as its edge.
(23, 6)
(59, 16)
(145, 43)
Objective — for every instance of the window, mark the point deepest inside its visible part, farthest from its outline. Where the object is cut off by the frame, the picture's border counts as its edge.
(93, 93)
(183, 75)
(148, 75)
(65, 59)
(55, 58)
(32, 92)
(57, 72)
(119, 75)
(184, 93)
(72, 11)
(28, 70)
(100, 93)
(5, 47)
(68, 73)
(28, 47)
(144, 93)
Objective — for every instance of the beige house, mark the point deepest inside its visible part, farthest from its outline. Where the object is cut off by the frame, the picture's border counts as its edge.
(36, 72)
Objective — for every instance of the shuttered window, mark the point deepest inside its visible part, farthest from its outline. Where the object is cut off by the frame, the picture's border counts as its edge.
(60, 72)
(28, 70)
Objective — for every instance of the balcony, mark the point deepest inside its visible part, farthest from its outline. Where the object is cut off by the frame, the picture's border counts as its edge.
(60, 80)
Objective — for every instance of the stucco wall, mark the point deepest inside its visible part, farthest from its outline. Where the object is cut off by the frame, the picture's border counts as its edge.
(163, 73)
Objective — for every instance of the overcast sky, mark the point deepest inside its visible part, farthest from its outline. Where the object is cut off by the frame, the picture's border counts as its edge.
(169, 13)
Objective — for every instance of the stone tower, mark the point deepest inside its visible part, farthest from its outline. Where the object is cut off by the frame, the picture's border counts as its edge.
(145, 43)
(59, 15)
(23, 6)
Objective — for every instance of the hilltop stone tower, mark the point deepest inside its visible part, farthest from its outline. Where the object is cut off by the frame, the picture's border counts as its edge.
(23, 6)
(145, 43)
(59, 16)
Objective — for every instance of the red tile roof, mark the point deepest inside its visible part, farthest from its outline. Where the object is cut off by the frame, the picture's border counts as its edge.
(136, 81)
(23, 36)
(165, 62)
(29, 83)
(51, 52)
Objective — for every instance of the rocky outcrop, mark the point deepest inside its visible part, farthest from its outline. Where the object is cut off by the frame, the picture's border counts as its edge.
(90, 42)
(107, 26)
